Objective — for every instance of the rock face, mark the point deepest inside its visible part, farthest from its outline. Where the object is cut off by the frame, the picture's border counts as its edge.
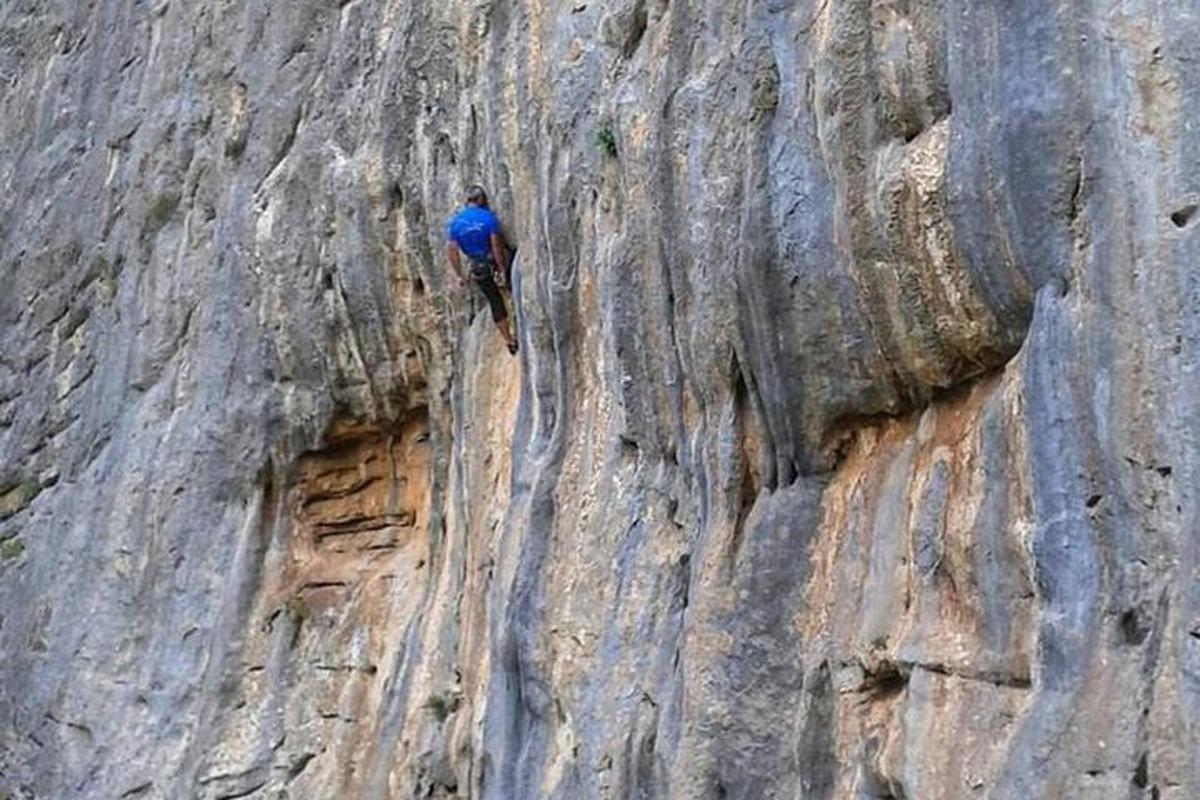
(851, 451)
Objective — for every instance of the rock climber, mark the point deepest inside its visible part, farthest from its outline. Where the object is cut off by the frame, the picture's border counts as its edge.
(475, 232)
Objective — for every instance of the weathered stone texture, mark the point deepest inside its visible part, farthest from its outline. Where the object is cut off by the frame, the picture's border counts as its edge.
(851, 451)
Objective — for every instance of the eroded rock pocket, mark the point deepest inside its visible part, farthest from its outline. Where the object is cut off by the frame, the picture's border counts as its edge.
(356, 503)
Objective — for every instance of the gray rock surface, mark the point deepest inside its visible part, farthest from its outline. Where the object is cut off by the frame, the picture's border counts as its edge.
(851, 451)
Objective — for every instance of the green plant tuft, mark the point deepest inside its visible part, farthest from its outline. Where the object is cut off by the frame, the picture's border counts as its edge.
(606, 140)
(11, 548)
(443, 705)
(16, 498)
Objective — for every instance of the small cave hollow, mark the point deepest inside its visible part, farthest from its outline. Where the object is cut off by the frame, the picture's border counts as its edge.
(358, 503)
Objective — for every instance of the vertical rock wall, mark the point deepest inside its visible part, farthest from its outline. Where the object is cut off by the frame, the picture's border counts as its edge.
(851, 450)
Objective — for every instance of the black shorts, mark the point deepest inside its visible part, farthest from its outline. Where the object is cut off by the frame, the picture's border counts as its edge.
(481, 272)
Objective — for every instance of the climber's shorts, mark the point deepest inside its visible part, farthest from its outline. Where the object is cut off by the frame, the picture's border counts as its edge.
(482, 272)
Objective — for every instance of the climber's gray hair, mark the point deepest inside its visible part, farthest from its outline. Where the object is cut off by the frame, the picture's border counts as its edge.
(476, 196)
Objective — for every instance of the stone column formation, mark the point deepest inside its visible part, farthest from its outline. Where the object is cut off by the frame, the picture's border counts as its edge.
(852, 450)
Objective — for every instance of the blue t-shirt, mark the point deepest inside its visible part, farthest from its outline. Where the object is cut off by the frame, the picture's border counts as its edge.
(471, 229)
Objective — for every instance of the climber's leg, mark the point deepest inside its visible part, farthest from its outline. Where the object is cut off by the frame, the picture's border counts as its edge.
(499, 311)
(512, 256)
(510, 341)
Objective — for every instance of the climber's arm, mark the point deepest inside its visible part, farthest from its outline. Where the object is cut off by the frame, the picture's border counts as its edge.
(456, 262)
(500, 255)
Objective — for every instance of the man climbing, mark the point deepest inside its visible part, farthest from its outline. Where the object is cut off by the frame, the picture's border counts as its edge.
(475, 231)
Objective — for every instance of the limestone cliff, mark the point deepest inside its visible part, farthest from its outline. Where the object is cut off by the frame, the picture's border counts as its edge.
(851, 450)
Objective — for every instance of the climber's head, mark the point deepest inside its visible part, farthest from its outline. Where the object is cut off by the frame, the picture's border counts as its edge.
(476, 196)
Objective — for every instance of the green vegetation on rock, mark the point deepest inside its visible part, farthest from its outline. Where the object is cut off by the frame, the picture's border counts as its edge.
(18, 497)
(11, 548)
(606, 141)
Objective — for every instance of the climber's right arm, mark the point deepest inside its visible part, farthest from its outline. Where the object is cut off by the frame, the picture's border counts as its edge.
(456, 262)
(500, 256)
